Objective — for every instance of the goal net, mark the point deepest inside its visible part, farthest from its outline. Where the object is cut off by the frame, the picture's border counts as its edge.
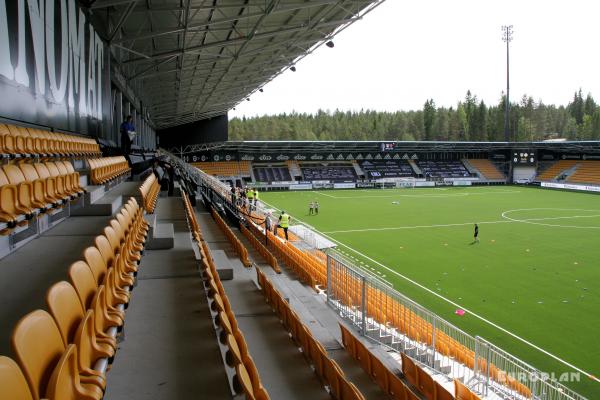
(392, 183)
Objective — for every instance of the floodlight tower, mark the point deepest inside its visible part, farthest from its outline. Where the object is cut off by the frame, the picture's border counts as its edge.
(507, 36)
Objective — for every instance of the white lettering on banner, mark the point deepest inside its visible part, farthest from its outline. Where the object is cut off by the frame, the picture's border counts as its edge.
(568, 186)
(36, 21)
(70, 75)
(5, 67)
(58, 90)
(76, 56)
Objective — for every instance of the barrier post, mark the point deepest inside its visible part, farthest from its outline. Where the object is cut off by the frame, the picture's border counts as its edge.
(433, 325)
(363, 304)
(328, 279)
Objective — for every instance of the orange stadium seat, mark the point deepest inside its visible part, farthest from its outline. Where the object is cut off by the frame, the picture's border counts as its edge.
(587, 171)
(556, 169)
(65, 382)
(105, 169)
(13, 384)
(487, 168)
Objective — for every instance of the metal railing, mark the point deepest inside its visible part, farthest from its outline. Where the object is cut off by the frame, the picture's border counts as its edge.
(386, 316)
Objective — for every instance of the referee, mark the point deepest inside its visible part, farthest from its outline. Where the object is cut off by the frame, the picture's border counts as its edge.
(476, 234)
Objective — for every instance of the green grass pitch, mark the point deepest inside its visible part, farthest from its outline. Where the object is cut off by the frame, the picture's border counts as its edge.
(535, 271)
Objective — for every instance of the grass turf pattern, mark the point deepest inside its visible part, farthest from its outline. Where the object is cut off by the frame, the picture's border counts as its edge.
(535, 271)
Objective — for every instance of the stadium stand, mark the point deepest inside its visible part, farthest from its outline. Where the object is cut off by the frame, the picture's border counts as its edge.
(486, 168)
(326, 368)
(65, 353)
(329, 172)
(225, 168)
(271, 174)
(443, 169)
(556, 169)
(18, 141)
(149, 191)
(587, 171)
(387, 169)
(27, 190)
(103, 170)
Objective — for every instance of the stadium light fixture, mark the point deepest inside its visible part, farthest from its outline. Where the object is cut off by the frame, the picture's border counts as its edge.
(330, 44)
(293, 68)
(507, 37)
(261, 90)
(247, 98)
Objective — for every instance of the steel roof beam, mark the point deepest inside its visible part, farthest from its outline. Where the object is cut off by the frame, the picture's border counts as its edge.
(122, 20)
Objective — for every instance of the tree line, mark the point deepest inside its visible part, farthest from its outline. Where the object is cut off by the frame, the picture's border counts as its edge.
(470, 120)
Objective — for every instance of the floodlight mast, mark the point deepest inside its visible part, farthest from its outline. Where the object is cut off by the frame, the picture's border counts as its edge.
(507, 36)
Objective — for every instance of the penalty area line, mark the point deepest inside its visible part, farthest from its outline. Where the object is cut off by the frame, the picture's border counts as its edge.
(525, 341)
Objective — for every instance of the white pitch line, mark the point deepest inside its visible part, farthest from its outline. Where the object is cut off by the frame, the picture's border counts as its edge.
(502, 221)
(324, 194)
(418, 226)
(532, 220)
(420, 196)
(592, 377)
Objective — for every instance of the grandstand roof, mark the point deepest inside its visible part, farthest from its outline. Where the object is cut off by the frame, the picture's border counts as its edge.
(194, 59)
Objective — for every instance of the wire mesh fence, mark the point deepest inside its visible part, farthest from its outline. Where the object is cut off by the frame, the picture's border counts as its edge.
(390, 318)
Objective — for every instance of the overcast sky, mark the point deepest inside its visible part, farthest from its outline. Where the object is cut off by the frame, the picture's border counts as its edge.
(404, 52)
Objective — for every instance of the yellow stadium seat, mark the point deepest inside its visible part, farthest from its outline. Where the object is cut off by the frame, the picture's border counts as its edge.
(13, 384)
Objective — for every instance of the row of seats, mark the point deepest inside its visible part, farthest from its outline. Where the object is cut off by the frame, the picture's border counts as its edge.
(389, 312)
(247, 379)
(420, 379)
(272, 174)
(300, 265)
(103, 170)
(240, 249)
(149, 191)
(225, 168)
(387, 169)
(19, 141)
(555, 169)
(443, 169)
(461, 392)
(27, 190)
(326, 369)
(587, 171)
(487, 168)
(63, 353)
(261, 248)
(389, 382)
(329, 173)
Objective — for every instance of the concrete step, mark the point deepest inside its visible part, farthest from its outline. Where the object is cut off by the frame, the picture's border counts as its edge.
(151, 220)
(105, 206)
(223, 265)
(83, 180)
(163, 237)
(94, 193)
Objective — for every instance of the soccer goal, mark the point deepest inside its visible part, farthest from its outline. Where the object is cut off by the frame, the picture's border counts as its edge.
(393, 183)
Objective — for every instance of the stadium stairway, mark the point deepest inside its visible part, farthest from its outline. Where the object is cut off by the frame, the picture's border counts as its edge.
(283, 370)
(170, 350)
(415, 167)
(258, 322)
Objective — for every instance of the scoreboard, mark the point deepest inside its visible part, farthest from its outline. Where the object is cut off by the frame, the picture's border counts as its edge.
(387, 146)
(524, 157)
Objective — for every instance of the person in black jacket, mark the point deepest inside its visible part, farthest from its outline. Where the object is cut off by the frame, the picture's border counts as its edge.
(127, 132)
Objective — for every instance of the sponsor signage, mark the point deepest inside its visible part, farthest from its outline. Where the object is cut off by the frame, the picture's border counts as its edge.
(569, 186)
(301, 186)
(344, 185)
(54, 68)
